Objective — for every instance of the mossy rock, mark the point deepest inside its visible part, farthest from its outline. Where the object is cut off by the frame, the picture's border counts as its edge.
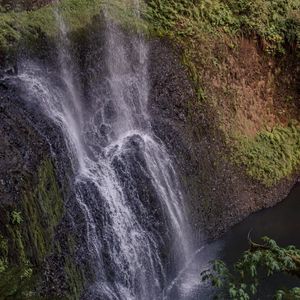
(29, 234)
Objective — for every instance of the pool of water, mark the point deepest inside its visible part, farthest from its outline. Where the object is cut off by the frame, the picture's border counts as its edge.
(281, 223)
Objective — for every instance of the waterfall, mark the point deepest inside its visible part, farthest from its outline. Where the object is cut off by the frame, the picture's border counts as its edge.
(126, 182)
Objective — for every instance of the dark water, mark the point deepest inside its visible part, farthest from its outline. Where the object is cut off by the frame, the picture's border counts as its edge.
(281, 223)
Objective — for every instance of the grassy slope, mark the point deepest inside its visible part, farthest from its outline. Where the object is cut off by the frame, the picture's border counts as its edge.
(210, 33)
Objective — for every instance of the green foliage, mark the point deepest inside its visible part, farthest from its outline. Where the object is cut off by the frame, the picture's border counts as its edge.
(27, 25)
(29, 233)
(44, 205)
(188, 18)
(275, 22)
(242, 281)
(15, 268)
(292, 294)
(271, 155)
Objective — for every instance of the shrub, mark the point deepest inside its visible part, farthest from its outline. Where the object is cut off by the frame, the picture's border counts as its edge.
(242, 280)
(275, 22)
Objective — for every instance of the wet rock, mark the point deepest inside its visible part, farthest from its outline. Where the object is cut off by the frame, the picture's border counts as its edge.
(35, 180)
(219, 194)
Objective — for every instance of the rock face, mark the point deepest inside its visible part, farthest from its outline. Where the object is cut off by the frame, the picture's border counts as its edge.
(219, 193)
(36, 192)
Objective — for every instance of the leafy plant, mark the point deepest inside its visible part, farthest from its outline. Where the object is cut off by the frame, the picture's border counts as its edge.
(275, 22)
(242, 280)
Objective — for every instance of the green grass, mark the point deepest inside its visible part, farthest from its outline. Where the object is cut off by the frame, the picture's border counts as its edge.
(271, 155)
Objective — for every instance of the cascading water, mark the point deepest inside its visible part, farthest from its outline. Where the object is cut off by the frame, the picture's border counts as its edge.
(126, 184)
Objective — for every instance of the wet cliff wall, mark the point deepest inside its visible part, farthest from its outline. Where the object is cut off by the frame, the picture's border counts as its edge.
(219, 191)
(37, 242)
(192, 114)
(225, 98)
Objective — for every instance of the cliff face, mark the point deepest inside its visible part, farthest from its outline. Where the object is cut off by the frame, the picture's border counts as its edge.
(219, 192)
(37, 252)
(40, 253)
(227, 105)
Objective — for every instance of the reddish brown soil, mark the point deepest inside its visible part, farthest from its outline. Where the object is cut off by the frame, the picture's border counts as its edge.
(248, 89)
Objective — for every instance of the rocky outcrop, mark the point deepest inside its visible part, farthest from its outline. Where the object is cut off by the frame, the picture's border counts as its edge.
(219, 192)
(37, 242)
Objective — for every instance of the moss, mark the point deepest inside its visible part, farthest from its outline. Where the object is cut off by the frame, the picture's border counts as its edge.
(275, 22)
(16, 276)
(29, 27)
(29, 234)
(271, 155)
(43, 210)
(75, 279)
